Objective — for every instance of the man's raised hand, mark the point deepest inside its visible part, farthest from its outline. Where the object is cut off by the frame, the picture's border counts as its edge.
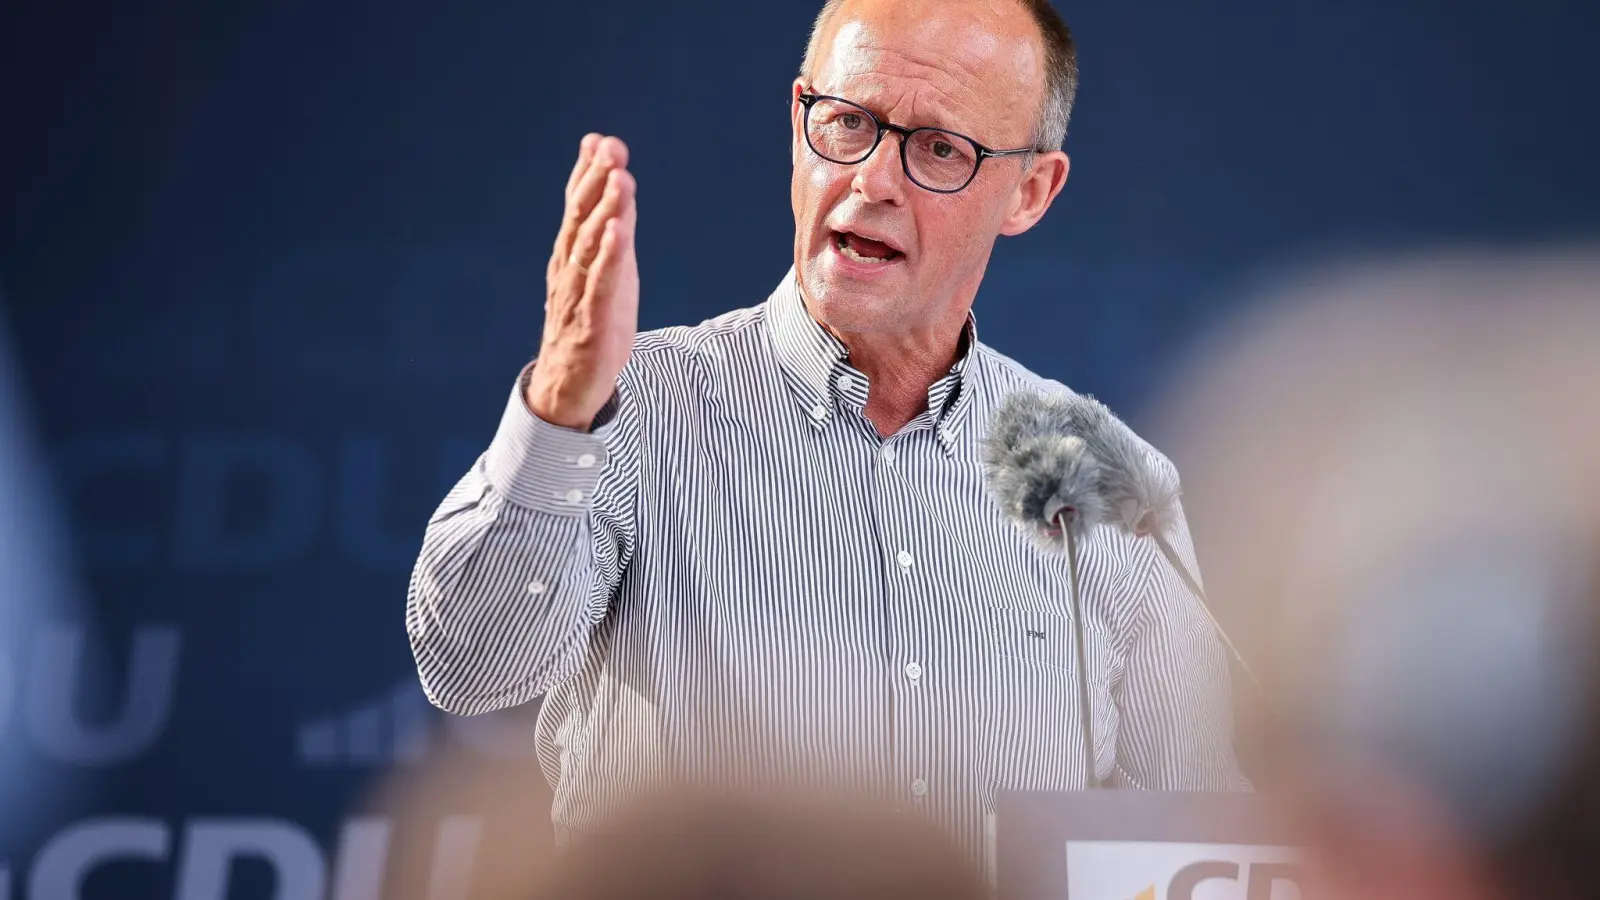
(591, 310)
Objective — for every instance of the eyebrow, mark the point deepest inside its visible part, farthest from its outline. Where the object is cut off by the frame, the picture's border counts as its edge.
(876, 110)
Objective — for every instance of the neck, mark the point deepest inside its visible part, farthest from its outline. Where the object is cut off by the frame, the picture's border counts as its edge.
(901, 368)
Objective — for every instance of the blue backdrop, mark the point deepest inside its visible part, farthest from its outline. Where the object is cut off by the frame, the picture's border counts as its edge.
(271, 267)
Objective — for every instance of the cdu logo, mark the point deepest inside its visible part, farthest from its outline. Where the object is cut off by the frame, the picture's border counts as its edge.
(400, 726)
(1172, 870)
(1259, 880)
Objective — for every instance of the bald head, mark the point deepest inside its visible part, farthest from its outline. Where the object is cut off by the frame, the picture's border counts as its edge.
(1055, 67)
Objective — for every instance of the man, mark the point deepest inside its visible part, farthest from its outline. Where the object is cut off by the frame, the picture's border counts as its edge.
(762, 544)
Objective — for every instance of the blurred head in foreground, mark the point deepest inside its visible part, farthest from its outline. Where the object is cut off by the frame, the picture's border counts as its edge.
(761, 842)
(1395, 479)
(702, 846)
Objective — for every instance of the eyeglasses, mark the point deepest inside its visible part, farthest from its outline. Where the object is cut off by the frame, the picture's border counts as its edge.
(934, 159)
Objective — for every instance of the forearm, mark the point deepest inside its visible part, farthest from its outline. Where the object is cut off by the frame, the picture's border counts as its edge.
(517, 565)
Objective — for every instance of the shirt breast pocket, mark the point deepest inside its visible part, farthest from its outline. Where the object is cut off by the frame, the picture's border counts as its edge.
(1033, 729)
(1035, 637)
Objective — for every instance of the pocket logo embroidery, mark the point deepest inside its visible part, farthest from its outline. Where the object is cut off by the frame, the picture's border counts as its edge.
(1035, 634)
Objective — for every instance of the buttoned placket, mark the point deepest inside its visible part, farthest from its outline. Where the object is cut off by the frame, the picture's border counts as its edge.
(833, 396)
(907, 583)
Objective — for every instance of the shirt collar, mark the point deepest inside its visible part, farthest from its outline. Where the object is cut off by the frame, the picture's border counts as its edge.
(817, 368)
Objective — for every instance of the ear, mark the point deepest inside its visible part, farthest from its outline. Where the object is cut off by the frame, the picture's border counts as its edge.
(797, 122)
(1039, 187)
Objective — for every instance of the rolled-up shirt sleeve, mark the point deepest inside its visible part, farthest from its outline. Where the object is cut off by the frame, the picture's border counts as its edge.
(522, 559)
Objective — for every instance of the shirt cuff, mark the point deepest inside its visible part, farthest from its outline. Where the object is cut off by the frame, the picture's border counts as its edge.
(541, 466)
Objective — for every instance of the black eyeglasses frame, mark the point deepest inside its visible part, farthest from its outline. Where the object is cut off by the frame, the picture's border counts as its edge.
(980, 152)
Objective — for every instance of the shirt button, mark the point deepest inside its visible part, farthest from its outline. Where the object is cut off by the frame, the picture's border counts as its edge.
(846, 384)
(904, 559)
(819, 412)
(888, 453)
(586, 461)
(919, 788)
(913, 671)
(574, 496)
(536, 587)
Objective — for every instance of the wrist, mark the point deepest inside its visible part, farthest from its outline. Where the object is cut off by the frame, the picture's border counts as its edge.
(549, 394)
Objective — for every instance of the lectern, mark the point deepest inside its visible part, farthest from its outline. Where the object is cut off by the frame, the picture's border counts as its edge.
(1140, 845)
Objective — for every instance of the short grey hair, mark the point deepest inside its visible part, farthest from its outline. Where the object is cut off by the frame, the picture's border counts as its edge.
(1060, 63)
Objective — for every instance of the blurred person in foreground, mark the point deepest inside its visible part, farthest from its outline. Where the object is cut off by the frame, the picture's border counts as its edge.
(763, 542)
(764, 843)
(37, 589)
(709, 847)
(1400, 470)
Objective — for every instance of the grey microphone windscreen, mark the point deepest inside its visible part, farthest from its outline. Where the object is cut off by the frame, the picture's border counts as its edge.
(1138, 494)
(1043, 477)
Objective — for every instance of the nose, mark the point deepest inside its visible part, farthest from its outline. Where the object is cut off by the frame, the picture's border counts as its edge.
(880, 177)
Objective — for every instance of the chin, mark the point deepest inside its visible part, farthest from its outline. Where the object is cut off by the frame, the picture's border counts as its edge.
(853, 309)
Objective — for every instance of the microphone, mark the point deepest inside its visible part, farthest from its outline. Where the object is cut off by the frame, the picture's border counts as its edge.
(1140, 499)
(1046, 480)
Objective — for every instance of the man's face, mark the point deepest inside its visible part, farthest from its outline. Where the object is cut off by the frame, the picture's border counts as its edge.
(975, 68)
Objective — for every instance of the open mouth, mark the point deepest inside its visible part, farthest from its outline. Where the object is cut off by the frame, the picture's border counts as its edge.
(860, 249)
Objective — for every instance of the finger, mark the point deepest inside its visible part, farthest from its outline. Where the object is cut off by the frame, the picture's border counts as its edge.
(603, 274)
(581, 204)
(606, 153)
(585, 156)
(623, 226)
(582, 284)
(576, 247)
(630, 207)
(618, 196)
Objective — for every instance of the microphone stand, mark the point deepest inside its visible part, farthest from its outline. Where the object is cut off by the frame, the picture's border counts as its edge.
(1205, 605)
(1075, 601)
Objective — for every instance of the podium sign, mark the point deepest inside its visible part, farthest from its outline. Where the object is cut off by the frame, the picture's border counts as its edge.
(1140, 845)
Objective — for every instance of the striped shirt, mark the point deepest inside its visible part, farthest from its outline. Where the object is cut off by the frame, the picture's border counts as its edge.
(736, 572)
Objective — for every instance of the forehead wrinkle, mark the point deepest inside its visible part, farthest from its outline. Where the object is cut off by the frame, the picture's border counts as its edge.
(926, 93)
(910, 99)
(937, 73)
